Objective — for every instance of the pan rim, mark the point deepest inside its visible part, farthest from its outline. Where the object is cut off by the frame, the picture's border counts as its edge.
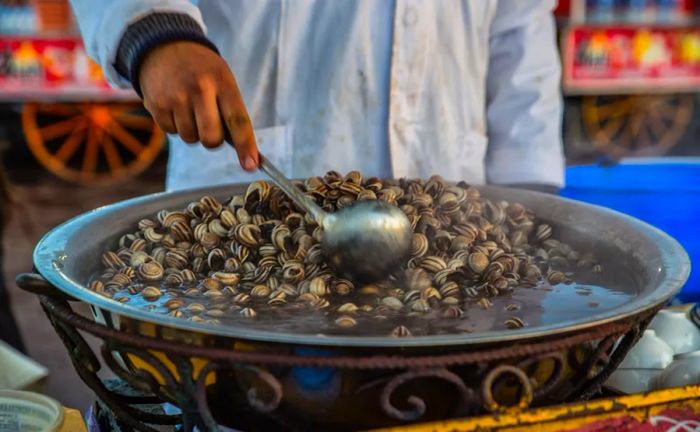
(49, 252)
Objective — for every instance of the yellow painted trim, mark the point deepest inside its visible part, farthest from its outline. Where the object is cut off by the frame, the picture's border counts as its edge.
(563, 417)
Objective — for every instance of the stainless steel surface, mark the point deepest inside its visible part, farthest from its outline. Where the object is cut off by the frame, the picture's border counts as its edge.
(364, 241)
(69, 254)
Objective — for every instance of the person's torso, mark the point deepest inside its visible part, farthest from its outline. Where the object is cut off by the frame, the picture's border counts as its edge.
(392, 88)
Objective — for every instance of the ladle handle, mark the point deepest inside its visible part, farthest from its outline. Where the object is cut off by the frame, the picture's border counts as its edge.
(292, 191)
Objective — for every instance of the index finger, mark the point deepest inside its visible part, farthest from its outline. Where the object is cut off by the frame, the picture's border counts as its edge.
(239, 126)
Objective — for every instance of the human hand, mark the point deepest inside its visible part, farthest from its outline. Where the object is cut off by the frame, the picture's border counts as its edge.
(190, 90)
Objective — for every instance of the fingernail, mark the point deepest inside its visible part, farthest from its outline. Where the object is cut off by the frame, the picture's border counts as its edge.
(249, 164)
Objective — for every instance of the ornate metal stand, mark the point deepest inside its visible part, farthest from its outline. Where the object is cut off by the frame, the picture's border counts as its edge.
(496, 368)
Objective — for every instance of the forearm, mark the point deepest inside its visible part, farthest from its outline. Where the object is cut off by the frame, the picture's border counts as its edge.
(103, 24)
(151, 31)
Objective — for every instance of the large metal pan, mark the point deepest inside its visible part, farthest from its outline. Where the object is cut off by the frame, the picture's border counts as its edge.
(69, 254)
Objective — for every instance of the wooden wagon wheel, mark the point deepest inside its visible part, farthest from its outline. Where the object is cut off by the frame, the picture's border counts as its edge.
(637, 125)
(92, 143)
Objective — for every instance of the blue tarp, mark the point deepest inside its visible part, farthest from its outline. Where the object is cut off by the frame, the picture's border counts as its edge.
(665, 192)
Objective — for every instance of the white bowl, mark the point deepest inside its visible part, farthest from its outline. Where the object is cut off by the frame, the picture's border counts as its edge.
(685, 370)
(677, 331)
(27, 411)
(633, 380)
(650, 352)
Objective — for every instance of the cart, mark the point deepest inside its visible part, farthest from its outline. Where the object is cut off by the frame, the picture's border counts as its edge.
(633, 70)
(75, 125)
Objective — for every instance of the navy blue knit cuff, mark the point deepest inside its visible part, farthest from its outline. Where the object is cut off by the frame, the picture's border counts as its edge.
(149, 32)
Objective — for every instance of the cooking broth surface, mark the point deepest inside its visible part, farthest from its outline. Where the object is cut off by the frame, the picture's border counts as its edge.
(541, 305)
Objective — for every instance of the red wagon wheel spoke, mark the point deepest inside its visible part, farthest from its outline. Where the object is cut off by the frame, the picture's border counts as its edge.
(126, 139)
(111, 153)
(92, 143)
(610, 129)
(70, 145)
(656, 124)
(91, 154)
(61, 128)
(636, 123)
(645, 139)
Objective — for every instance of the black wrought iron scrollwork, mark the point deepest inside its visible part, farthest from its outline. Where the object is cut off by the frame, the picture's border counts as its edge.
(170, 376)
(490, 402)
(252, 393)
(87, 365)
(590, 384)
(554, 377)
(273, 385)
(418, 404)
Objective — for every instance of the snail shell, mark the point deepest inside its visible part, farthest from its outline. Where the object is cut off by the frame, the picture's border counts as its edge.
(260, 291)
(209, 284)
(484, 303)
(257, 192)
(181, 231)
(209, 240)
(542, 233)
(433, 264)
(171, 217)
(248, 312)
(216, 259)
(419, 245)
(210, 204)
(347, 308)
(228, 219)
(150, 271)
(176, 259)
(343, 287)
(452, 311)
(146, 223)
(112, 260)
(420, 305)
(514, 323)
(138, 258)
(392, 303)
(225, 278)
(345, 321)
(449, 289)
(292, 272)
(216, 226)
(195, 308)
(248, 235)
(401, 331)
(151, 293)
(188, 275)
(97, 285)
(477, 262)
(318, 286)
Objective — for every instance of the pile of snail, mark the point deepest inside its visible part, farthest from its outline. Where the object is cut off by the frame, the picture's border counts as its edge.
(256, 253)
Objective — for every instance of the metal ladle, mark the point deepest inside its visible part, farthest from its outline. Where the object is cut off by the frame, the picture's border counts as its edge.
(365, 241)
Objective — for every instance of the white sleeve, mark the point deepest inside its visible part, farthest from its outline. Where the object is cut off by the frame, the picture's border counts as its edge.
(103, 23)
(524, 102)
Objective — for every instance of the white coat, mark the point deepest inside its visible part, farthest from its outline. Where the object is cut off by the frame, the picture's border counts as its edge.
(468, 89)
